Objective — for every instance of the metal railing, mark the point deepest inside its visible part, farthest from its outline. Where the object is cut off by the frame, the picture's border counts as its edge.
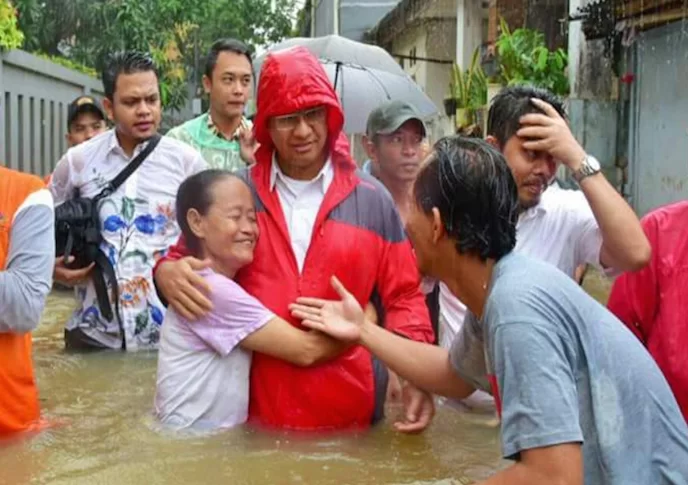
(34, 95)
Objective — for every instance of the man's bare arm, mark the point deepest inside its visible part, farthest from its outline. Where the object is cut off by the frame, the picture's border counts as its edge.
(424, 365)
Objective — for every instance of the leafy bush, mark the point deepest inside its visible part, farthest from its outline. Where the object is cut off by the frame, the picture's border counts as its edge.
(69, 64)
(469, 88)
(10, 35)
(525, 59)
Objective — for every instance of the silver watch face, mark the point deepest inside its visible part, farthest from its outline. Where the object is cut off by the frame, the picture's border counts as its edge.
(592, 163)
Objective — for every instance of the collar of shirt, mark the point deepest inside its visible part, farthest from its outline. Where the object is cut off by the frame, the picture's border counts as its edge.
(115, 147)
(244, 123)
(540, 209)
(325, 176)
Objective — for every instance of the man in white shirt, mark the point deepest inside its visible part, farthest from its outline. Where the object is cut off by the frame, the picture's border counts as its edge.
(567, 228)
(138, 219)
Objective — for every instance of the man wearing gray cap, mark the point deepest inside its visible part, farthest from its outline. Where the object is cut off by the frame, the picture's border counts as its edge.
(394, 142)
(396, 145)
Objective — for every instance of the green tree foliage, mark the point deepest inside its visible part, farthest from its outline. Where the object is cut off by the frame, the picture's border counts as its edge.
(86, 31)
(10, 36)
(525, 59)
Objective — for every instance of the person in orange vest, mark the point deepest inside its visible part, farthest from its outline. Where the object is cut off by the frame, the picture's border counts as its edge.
(27, 256)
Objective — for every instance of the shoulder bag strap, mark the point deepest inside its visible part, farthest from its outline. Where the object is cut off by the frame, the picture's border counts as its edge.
(130, 168)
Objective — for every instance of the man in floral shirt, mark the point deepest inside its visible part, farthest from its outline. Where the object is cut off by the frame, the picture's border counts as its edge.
(223, 134)
(138, 219)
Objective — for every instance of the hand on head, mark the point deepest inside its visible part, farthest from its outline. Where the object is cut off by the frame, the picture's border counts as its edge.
(550, 133)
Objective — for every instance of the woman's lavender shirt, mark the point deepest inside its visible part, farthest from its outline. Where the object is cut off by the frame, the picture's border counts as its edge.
(203, 376)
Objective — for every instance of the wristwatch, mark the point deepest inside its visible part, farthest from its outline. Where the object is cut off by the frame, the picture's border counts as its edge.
(590, 166)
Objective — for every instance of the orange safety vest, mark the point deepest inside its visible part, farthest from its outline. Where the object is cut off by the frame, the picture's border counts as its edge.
(18, 394)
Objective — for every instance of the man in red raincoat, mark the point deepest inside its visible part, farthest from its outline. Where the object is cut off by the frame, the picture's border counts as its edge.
(653, 302)
(318, 216)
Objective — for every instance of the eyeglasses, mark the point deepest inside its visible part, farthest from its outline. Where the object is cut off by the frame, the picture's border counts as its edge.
(290, 122)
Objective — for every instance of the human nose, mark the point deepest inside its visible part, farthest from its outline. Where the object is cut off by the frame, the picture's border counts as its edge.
(546, 166)
(247, 225)
(302, 128)
(410, 148)
(143, 108)
(237, 88)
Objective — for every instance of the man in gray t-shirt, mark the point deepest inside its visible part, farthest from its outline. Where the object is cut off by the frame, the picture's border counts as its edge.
(581, 400)
(566, 370)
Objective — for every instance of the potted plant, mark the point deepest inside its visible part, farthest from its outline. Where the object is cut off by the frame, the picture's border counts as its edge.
(524, 58)
(469, 90)
(450, 106)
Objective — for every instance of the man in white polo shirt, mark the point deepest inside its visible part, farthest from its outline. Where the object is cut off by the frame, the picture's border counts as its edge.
(567, 228)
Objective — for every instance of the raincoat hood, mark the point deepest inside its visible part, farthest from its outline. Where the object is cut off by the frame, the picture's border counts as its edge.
(293, 80)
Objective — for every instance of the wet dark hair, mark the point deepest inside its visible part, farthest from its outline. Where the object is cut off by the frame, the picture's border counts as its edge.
(503, 119)
(125, 62)
(196, 192)
(469, 182)
(225, 45)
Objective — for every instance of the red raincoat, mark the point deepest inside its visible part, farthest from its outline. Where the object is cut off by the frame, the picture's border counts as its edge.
(358, 236)
(653, 302)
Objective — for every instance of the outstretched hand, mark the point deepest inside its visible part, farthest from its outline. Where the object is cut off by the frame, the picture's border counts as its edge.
(339, 319)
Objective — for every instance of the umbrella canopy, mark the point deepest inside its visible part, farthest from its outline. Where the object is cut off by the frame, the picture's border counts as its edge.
(364, 77)
(361, 90)
(340, 49)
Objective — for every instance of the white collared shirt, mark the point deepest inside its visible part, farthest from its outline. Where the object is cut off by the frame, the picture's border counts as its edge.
(138, 225)
(301, 201)
(560, 230)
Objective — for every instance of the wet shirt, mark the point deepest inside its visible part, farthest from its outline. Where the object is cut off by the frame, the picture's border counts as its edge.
(560, 230)
(203, 376)
(566, 370)
(218, 151)
(138, 224)
(652, 302)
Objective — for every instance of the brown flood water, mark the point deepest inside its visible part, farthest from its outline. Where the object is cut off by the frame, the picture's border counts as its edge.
(109, 436)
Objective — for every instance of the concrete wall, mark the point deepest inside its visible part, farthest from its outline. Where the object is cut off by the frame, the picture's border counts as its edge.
(34, 94)
(447, 30)
(471, 29)
(593, 102)
(324, 17)
(658, 148)
(542, 15)
(431, 39)
(356, 17)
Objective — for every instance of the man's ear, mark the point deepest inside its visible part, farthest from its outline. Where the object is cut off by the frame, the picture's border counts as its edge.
(369, 148)
(207, 84)
(494, 142)
(109, 111)
(438, 230)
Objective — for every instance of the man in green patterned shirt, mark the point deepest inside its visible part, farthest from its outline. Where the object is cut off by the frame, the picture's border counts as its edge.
(223, 134)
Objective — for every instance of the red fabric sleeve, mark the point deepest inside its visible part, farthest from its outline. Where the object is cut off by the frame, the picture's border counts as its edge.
(174, 253)
(403, 301)
(634, 297)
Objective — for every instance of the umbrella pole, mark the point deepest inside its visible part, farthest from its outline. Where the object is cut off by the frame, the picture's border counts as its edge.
(336, 74)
